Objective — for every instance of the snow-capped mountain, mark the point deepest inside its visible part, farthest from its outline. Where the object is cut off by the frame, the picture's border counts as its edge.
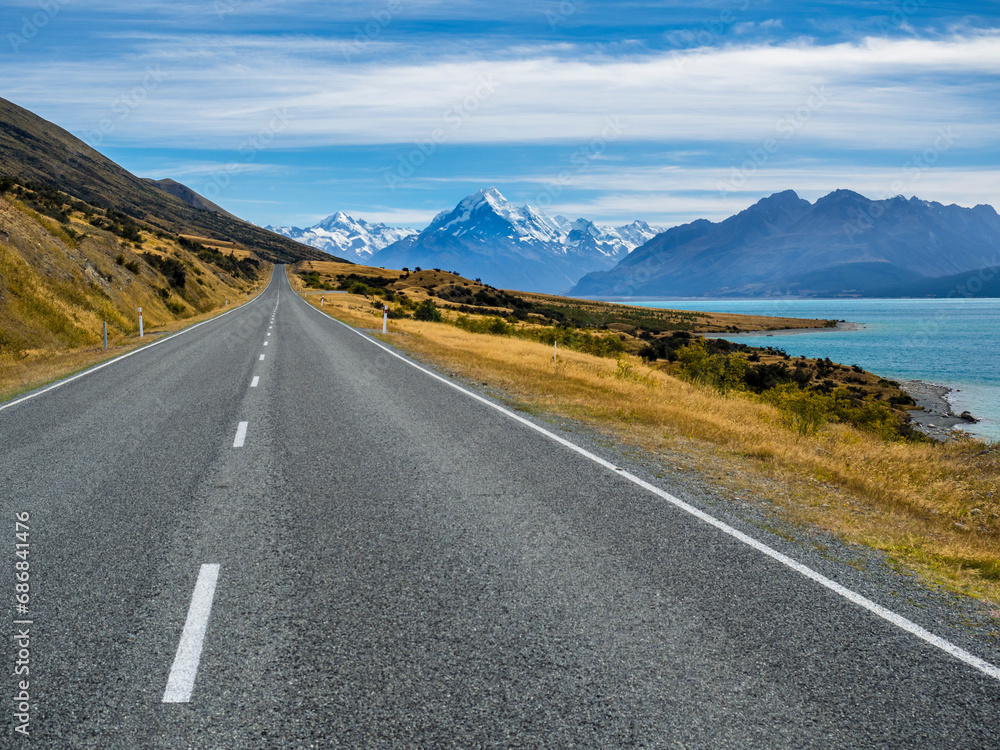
(516, 247)
(346, 237)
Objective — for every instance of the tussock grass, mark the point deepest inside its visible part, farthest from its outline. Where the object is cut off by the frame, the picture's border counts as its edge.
(933, 508)
(56, 290)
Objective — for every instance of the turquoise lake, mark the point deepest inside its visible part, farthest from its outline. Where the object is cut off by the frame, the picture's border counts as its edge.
(949, 342)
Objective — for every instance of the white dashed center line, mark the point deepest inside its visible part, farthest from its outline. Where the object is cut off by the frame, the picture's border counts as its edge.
(241, 435)
(261, 357)
(180, 683)
(265, 343)
(256, 379)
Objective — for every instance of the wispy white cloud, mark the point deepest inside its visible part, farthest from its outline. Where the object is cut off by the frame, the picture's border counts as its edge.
(881, 93)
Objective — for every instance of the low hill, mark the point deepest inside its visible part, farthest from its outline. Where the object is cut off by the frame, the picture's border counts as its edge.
(33, 150)
(984, 282)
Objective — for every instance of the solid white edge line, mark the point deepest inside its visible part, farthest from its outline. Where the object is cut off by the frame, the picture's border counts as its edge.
(241, 435)
(896, 619)
(110, 362)
(255, 381)
(184, 670)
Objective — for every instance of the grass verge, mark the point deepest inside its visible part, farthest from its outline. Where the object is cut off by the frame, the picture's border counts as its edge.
(40, 367)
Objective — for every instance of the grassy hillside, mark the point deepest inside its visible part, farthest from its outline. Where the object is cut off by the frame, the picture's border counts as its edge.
(35, 150)
(609, 329)
(67, 266)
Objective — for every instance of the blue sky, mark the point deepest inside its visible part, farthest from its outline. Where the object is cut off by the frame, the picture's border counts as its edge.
(392, 110)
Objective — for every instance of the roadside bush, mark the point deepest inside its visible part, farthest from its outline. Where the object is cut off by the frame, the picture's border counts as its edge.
(648, 353)
(172, 268)
(427, 310)
(492, 324)
(724, 372)
(807, 411)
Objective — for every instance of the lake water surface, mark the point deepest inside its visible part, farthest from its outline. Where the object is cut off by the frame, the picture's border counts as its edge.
(949, 342)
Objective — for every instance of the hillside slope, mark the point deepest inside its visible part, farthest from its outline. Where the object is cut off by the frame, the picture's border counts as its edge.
(35, 150)
(66, 267)
(189, 196)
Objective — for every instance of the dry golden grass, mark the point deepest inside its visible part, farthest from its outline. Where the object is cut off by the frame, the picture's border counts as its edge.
(933, 508)
(57, 290)
(417, 283)
(41, 366)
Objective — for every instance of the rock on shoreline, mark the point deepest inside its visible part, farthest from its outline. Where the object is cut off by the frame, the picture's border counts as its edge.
(936, 419)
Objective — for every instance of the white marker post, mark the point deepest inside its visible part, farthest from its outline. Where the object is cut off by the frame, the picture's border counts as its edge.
(555, 351)
(385, 318)
(105, 335)
(322, 301)
(140, 323)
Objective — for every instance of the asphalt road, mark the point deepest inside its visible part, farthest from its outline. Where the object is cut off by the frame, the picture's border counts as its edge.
(401, 565)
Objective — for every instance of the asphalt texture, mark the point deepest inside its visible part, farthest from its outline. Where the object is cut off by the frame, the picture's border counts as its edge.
(402, 566)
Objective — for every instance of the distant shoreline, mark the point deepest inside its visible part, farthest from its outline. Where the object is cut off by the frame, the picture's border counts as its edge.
(842, 325)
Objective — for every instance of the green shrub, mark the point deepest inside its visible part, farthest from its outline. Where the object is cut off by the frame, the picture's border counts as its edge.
(427, 310)
(724, 372)
(807, 411)
(491, 324)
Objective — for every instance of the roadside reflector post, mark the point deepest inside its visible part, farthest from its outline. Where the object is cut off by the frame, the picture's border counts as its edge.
(227, 301)
(385, 318)
(555, 351)
(322, 301)
(140, 323)
(105, 327)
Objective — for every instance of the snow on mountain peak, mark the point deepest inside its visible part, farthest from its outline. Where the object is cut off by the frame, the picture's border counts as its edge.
(346, 237)
(487, 214)
(485, 217)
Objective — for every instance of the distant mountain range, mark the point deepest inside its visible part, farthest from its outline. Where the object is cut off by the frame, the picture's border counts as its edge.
(485, 236)
(345, 237)
(843, 244)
